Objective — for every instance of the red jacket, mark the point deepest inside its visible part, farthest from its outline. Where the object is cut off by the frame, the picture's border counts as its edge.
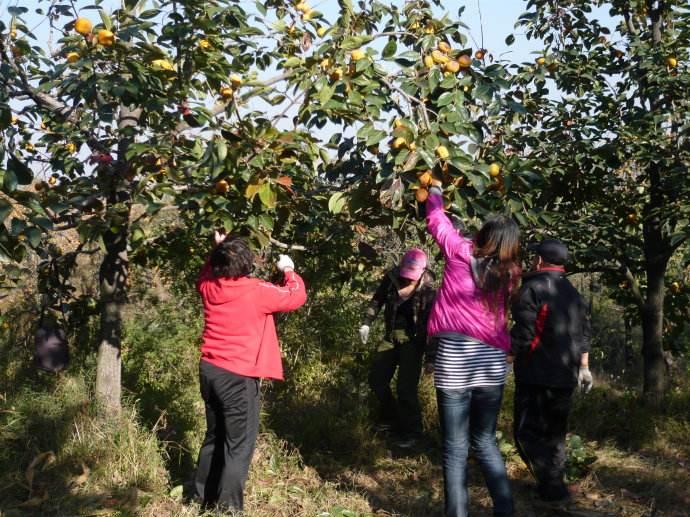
(239, 332)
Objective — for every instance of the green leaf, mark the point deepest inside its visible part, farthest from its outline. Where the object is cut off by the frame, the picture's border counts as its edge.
(292, 62)
(34, 236)
(326, 93)
(431, 141)
(337, 202)
(375, 137)
(9, 181)
(427, 157)
(389, 49)
(5, 210)
(483, 91)
(17, 226)
(434, 79)
(510, 39)
(21, 171)
(268, 195)
(354, 42)
(445, 99)
(149, 13)
(221, 149)
(516, 106)
(105, 18)
(261, 8)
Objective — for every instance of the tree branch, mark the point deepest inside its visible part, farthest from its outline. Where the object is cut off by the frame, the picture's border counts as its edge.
(286, 246)
(41, 98)
(410, 99)
(634, 285)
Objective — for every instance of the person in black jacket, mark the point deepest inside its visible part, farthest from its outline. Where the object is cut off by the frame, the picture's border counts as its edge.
(406, 294)
(550, 345)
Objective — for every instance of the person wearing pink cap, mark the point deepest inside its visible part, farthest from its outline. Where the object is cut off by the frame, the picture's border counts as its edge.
(406, 293)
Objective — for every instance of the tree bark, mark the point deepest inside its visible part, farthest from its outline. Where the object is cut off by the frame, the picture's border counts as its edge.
(113, 285)
(656, 250)
(657, 254)
(114, 270)
(652, 335)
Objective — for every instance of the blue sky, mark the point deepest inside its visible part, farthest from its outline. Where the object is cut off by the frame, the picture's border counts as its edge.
(487, 20)
(498, 18)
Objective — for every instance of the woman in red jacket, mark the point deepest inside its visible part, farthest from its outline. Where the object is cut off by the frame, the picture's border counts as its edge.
(239, 347)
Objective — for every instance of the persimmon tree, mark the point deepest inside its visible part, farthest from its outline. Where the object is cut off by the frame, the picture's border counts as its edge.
(270, 121)
(608, 123)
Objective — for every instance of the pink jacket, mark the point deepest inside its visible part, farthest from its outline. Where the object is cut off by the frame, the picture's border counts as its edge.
(459, 305)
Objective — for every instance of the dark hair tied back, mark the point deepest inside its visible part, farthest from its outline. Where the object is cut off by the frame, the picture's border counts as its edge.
(232, 258)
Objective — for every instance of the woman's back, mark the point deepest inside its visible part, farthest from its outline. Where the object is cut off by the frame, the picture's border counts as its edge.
(461, 306)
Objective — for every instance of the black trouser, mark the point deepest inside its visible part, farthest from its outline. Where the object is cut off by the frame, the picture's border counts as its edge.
(540, 425)
(407, 358)
(232, 425)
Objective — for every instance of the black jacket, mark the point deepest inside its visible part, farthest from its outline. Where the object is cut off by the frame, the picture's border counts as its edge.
(387, 296)
(551, 330)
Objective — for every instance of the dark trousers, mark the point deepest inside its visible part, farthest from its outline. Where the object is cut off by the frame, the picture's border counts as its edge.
(404, 413)
(540, 425)
(232, 425)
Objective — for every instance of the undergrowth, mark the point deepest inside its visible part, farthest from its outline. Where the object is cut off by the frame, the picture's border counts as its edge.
(317, 454)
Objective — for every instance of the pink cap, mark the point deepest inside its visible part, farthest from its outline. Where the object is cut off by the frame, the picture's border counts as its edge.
(413, 264)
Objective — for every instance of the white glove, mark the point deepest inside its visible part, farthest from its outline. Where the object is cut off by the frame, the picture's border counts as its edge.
(584, 380)
(285, 262)
(364, 333)
(218, 237)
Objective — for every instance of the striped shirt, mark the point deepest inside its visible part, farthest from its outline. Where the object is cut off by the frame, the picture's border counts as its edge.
(463, 362)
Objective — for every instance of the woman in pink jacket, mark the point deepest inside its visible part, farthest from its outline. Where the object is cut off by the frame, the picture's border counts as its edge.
(469, 322)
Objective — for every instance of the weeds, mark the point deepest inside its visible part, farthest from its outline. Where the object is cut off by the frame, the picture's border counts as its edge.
(317, 454)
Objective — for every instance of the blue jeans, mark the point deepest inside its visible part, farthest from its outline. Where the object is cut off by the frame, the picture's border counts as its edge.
(468, 418)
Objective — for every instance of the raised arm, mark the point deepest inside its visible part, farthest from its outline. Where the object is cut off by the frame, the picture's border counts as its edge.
(283, 298)
(441, 227)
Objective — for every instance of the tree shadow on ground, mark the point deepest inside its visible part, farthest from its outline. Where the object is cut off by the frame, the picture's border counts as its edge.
(332, 429)
(48, 486)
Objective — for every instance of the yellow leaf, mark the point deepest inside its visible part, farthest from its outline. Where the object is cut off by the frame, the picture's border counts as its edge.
(252, 190)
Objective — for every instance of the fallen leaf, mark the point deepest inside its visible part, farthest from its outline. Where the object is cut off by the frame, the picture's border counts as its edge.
(47, 458)
(81, 478)
(176, 492)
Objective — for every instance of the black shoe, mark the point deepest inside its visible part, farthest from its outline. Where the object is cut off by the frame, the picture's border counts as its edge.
(383, 427)
(562, 504)
(407, 440)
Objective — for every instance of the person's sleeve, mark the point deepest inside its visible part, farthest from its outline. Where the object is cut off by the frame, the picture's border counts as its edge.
(426, 311)
(377, 301)
(586, 326)
(441, 227)
(430, 350)
(205, 275)
(282, 298)
(525, 312)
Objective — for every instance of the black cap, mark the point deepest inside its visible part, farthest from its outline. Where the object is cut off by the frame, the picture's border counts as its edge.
(552, 251)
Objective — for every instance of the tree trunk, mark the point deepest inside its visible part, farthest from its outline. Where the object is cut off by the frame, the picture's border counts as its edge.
(657, 254)
(115, 269)
(652, 336)
(113, 285)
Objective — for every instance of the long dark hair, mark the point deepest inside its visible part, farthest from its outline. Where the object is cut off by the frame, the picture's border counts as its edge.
(497, 247)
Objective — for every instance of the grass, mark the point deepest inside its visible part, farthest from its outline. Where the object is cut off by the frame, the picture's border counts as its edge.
(316, 454)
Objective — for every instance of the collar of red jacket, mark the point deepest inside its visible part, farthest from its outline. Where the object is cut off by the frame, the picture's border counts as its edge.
(559, 269)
